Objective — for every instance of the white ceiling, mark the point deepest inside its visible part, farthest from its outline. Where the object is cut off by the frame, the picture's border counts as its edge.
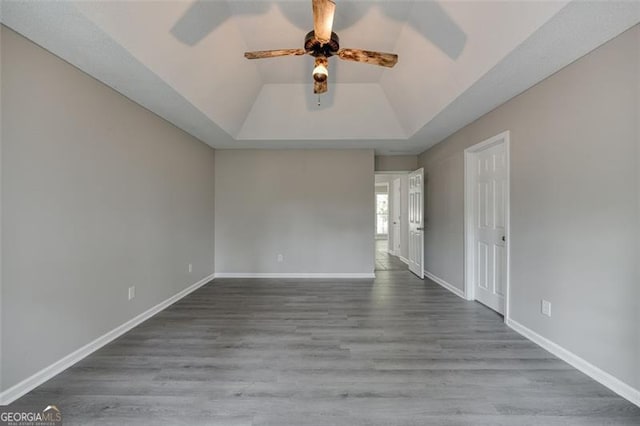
(184, 61)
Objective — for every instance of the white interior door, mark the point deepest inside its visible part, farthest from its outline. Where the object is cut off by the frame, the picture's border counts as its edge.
(490, 215)
(395, 220)
(416, 222)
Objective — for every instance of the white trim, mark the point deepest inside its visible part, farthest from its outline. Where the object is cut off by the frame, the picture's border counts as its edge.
(600, 376)
(469, 272)
(385, 184)
(453, 289)
(30, 383)
(339, 275)
(404, 259)
(469, 229)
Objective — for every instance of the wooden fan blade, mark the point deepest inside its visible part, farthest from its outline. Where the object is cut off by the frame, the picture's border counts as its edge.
(320, 87)
(261, 54)
(323, 11)
(369, 57)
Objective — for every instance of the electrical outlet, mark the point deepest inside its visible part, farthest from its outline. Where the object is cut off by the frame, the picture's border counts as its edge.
(132, 292)
(546, 308)
(190, 268)
(280, 258)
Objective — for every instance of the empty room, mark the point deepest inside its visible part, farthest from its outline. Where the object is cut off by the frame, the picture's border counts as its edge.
(320, 212)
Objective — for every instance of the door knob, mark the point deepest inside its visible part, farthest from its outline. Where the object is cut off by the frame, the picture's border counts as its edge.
(420, 229)
(504, 238)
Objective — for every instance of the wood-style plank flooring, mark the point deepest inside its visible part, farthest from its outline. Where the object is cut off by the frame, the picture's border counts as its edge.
(385, 261)
(391, 351)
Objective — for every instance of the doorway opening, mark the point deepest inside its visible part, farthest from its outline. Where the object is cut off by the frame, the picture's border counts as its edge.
(382, 211)
(391, 210)
(487, 223)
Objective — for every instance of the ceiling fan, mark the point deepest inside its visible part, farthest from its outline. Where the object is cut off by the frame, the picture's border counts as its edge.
(322, 43)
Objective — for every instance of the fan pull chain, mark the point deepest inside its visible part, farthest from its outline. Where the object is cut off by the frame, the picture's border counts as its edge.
(318, 100)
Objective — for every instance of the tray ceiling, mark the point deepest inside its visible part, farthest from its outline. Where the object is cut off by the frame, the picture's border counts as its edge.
(184, 61)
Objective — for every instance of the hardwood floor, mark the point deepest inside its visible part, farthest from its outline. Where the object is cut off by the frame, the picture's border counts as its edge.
(391, 351)
(385, 261)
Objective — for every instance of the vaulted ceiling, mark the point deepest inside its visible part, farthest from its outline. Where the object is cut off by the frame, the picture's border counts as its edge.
(184, 61)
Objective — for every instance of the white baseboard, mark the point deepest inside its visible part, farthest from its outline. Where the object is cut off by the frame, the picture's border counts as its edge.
(443, 283)
(404, 259)
(339, 275)
(30, 383)
(600, 376)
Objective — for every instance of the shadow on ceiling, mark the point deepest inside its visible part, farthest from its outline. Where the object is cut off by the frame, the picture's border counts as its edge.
(427, 18)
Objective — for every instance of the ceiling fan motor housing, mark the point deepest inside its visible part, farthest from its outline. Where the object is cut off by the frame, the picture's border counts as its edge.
(315, 48)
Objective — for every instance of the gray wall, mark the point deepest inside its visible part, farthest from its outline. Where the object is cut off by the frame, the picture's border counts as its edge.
(1, 292)
(316, 207)
(574, 205)
(98, 194)
(396, 163)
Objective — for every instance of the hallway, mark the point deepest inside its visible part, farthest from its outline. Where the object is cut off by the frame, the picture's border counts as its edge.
(386, 261)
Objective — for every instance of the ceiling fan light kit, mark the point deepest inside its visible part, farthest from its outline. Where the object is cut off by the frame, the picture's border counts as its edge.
(320, 71)
(322, 43)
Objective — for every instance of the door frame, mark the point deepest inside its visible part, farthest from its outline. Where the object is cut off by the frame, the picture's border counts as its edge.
(397, 236)
(470, 214)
